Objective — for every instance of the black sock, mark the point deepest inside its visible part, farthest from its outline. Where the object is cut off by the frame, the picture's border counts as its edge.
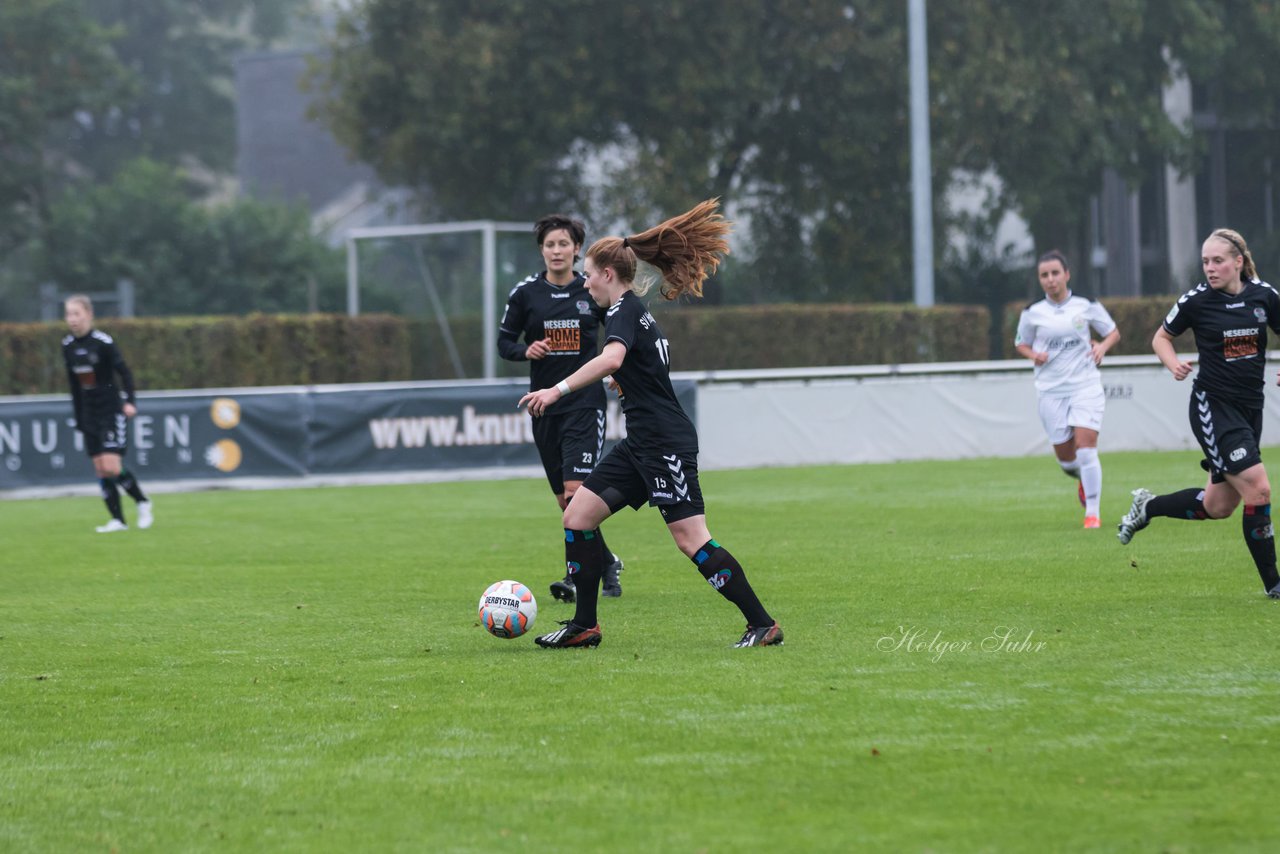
(130, 484)
(111, 496)
(609, 556)
(723, 572)
(584, 559)
(1184, 504)
(1260, 539)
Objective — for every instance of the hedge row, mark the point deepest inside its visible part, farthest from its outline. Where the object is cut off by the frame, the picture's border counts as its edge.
(219, 352)
(773, 336)
(262, 350)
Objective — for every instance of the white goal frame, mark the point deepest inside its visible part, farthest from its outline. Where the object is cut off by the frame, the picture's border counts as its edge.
(488, 230)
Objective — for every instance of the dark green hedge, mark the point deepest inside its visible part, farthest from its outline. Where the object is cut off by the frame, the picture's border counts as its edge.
(1138, 318)
(794, 336)
(219, 352)
(267, 350)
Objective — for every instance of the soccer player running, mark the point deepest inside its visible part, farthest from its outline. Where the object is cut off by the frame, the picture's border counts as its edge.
(1056, 334)
(1229, 314)
(657, 463)
(559, 323)
(93, 361)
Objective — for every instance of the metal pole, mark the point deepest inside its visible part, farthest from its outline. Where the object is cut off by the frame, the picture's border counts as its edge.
(921, 165)
(490, 277)
(353, 285)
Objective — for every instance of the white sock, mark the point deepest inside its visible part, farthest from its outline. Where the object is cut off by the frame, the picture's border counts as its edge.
(1091, 477)
(1071, 467)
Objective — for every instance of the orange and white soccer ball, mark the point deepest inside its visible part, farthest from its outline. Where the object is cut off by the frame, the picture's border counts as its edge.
(508, 609)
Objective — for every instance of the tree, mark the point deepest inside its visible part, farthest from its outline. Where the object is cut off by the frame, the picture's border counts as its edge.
(179, 54)
(794, 111)
(55, 65)
(791, 112)
(185, 258)
(1050, 93)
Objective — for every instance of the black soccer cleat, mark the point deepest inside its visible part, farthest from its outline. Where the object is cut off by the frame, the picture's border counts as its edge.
(610, 585)
(571, 635)
(1274, 592)
(564, 590)
(765, 636)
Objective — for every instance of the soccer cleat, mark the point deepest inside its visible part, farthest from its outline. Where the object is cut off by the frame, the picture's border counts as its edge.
(1274, 592)
(766, 636)
(1136, 519)
(564, 590)
(571, 635)
(111, 527)
(1080, 493)
(144, 514)
(611, 586)
(1092, 522)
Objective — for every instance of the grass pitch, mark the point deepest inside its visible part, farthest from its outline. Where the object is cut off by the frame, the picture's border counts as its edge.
(965, 670)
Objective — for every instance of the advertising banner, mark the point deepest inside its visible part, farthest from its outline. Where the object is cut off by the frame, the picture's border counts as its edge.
(289, 432)
(172, 437)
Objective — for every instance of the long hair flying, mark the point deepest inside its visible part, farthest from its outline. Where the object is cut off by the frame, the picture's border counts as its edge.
(685, 249)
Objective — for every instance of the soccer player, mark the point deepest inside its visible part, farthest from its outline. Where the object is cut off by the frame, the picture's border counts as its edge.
(1056, 333)
(1229, 314)
(93, 361)
(657, 463)
(559, 324)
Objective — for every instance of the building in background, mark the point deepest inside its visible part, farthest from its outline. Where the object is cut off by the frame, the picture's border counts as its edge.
(284, 155)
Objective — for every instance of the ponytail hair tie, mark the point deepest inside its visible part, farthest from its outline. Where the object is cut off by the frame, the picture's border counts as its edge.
(625, 243)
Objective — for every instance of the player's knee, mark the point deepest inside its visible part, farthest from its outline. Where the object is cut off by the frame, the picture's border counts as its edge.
(575, 520)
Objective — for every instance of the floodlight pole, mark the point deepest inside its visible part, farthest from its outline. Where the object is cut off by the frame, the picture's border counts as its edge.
(921, 165)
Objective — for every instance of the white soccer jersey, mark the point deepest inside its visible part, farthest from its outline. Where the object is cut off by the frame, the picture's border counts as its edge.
(1062, 331)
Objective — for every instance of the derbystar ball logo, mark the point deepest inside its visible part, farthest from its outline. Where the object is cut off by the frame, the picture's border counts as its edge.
(504, 601)
(720, 579)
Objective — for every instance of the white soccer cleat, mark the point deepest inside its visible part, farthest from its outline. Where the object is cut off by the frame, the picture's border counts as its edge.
(144, 515)
(1136, 519)
(111, 527)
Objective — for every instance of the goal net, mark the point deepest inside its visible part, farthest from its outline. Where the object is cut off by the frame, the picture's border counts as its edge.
(451, 280)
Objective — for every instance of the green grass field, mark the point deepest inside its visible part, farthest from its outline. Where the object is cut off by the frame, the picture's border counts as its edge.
(303, 671)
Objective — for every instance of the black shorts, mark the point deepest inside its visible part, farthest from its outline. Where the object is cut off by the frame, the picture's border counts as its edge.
(1228, 433)
(569, 445)
(666, 481)
(106, 434)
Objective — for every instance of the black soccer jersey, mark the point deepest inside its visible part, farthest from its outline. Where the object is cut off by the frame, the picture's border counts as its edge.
(655, 420)
(568, 320)
(1231, 337)
(93, 362)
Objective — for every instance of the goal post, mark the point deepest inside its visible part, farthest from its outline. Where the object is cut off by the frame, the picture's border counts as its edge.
(488, 231)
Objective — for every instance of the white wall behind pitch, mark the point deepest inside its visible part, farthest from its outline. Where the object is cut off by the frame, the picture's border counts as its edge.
(986, 413)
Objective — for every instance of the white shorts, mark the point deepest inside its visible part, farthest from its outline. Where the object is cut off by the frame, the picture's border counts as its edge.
(1060, 415)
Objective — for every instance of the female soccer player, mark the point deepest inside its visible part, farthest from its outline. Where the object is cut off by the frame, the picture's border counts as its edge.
(1054, 333)
(559, 322)
(93, 361)
(1229, 314)
(657, 462)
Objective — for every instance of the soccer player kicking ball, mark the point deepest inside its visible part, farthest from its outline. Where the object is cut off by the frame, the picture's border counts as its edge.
(657, 463)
